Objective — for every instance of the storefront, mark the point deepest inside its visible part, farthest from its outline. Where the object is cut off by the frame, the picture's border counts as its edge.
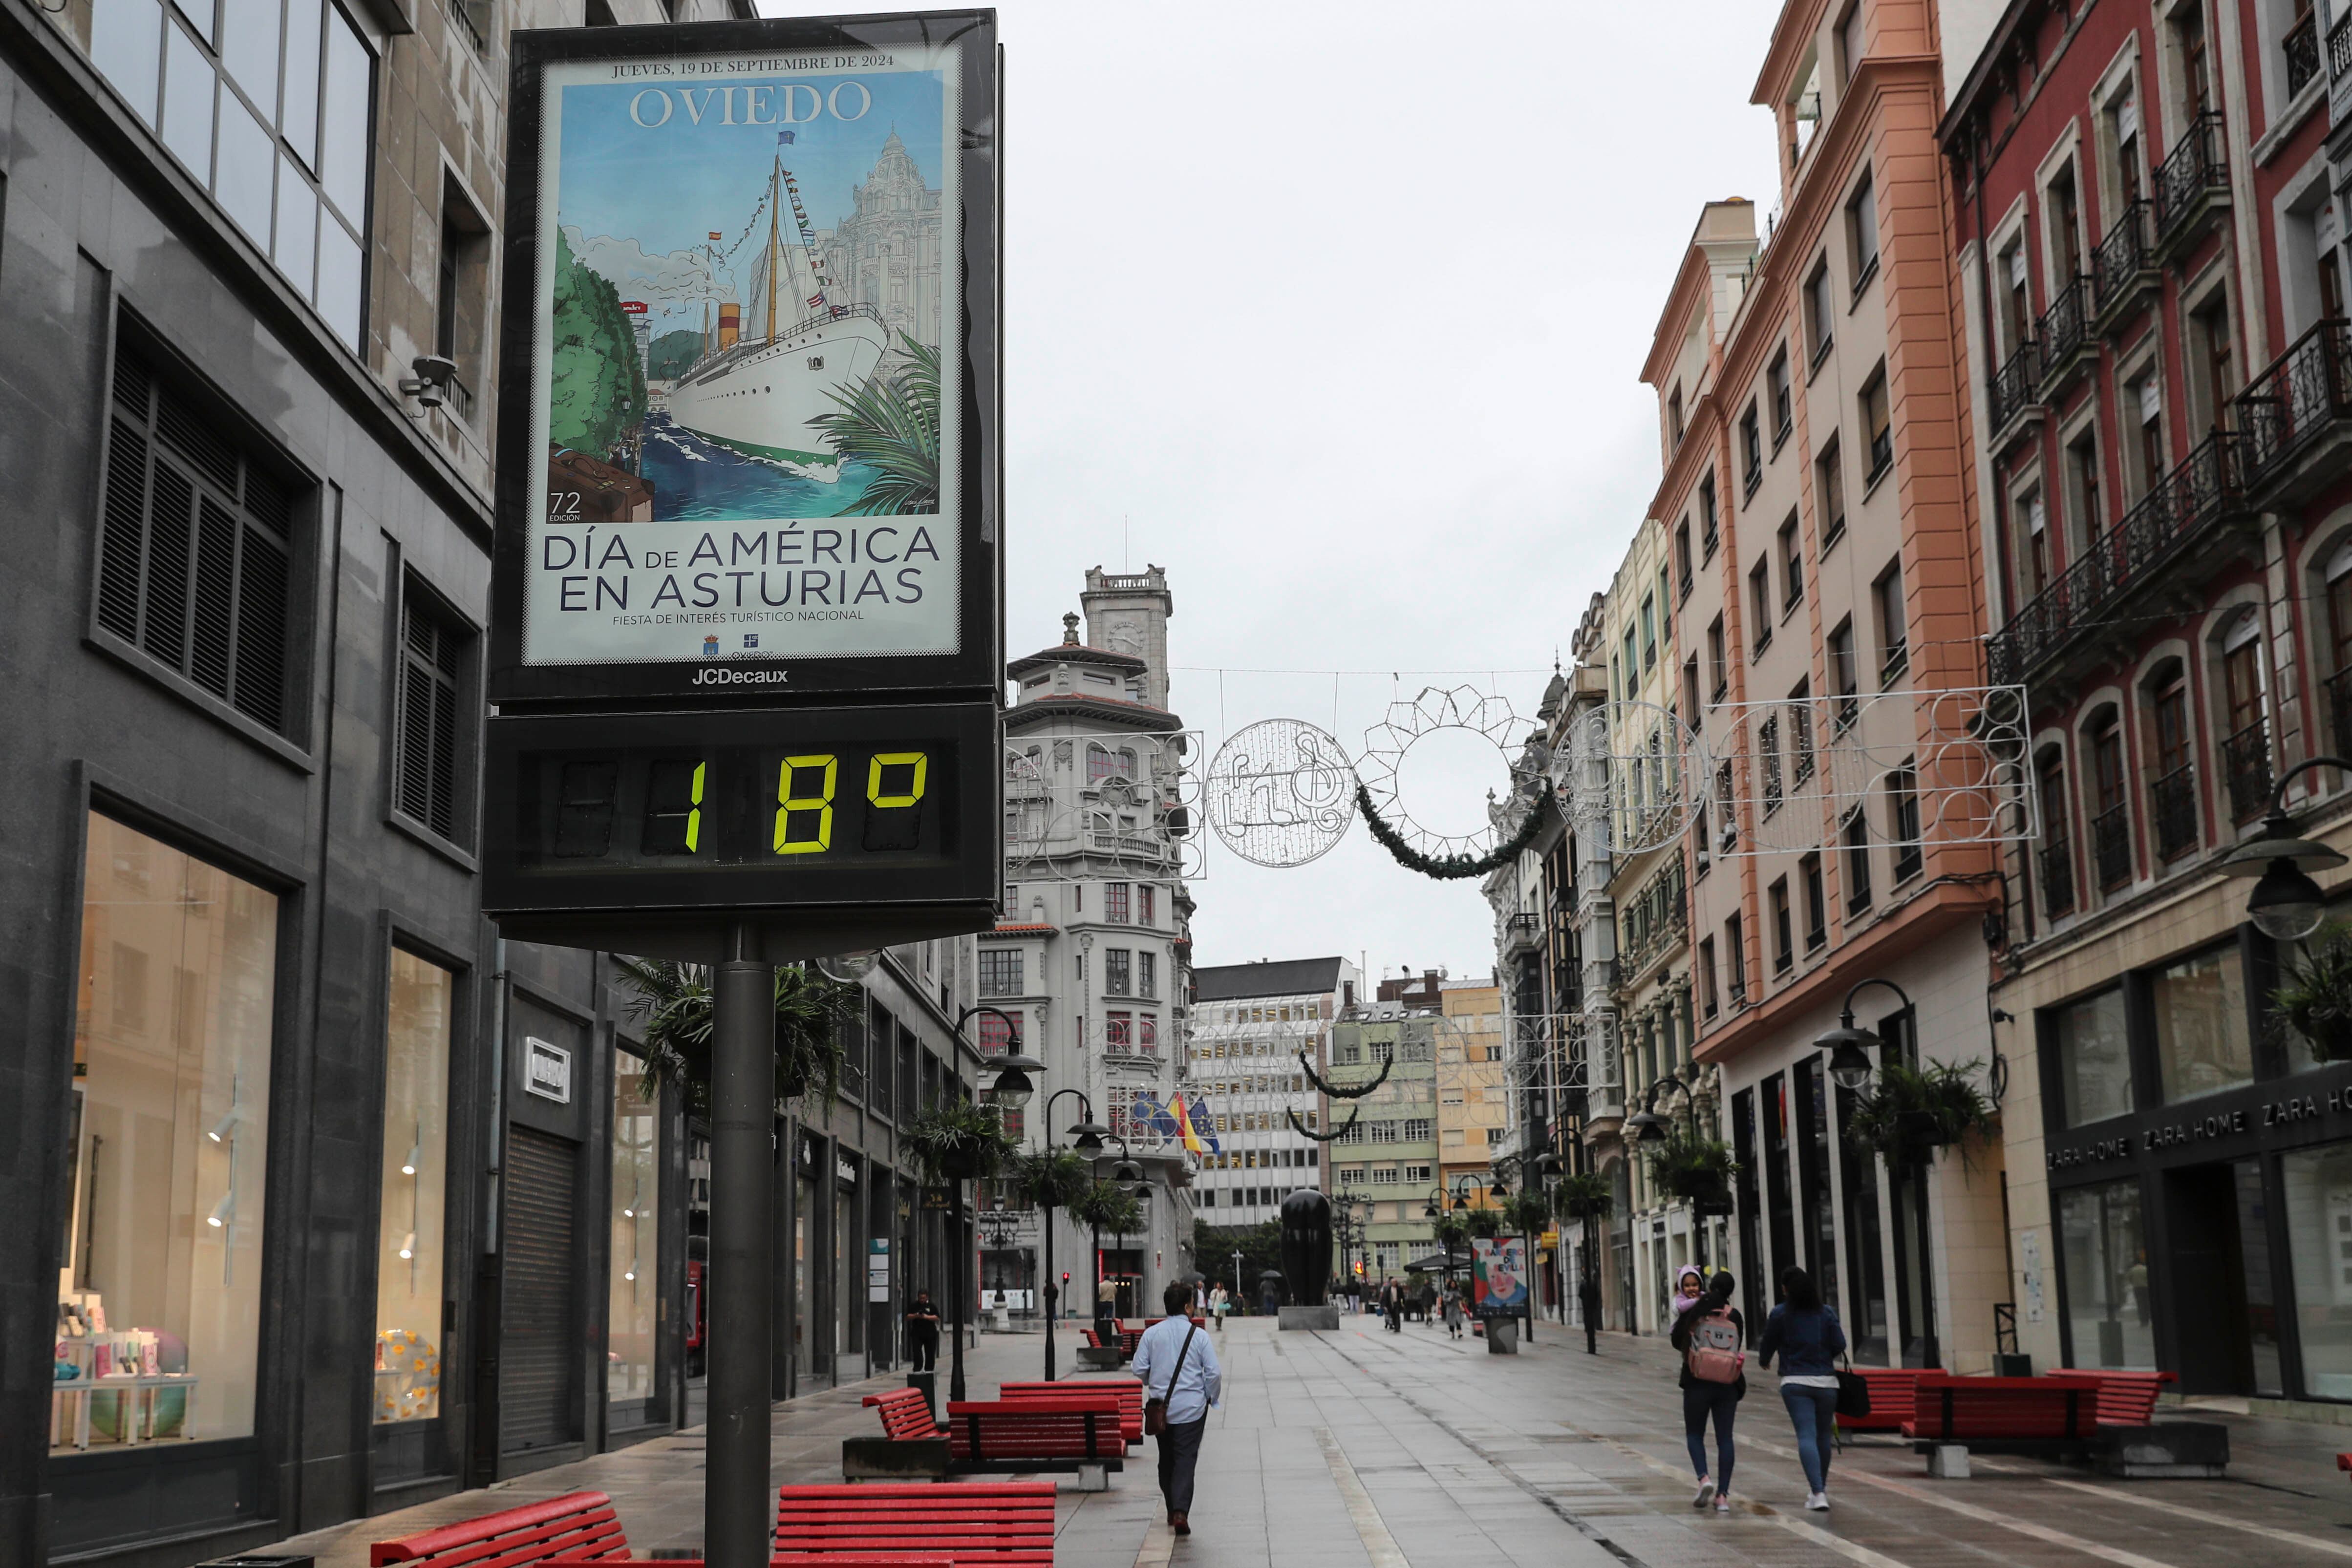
(2199, 1165)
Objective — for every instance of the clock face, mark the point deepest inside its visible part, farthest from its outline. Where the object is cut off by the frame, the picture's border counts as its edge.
(751, 808)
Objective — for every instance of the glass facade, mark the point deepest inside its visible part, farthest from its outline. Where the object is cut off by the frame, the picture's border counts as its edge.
(2318, 1184)
(414, 1181)
(636, 1275)
(2103, 1254)
(2093, 1050)
(158, 1301)
(2203, 1042)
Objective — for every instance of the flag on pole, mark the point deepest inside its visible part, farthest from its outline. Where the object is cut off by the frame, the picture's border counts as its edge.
(786, 138)
(1200, 1135)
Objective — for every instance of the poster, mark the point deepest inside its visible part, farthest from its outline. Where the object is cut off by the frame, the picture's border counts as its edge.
(744, 263)
(1498, 1273)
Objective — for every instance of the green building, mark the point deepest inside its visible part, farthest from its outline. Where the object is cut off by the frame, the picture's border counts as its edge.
(1386, 1159)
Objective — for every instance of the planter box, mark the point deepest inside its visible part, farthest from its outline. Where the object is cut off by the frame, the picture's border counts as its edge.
(2192, 1449)
(1325, 1318)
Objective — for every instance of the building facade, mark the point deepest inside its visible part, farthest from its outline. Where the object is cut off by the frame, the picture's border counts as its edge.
(1385, 1155)
(1473, 1083)
(1257, 1029)
(1092, 962)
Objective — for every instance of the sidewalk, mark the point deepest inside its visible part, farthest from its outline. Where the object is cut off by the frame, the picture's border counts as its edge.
(1364, 1449)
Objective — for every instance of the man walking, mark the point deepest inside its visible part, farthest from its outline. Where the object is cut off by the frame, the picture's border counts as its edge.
(1587, 1305)
(1179, 1367)
(1107, 1311)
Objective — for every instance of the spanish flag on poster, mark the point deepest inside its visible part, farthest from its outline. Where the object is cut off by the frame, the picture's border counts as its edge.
(1200, 1138)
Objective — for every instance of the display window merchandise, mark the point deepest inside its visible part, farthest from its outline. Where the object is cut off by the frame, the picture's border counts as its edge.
(159, 1298)
(414, 1183)
(636, 1248)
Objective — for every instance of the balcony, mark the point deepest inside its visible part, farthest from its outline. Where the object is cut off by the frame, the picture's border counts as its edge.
(2246, 763)
(2173, 797)
(2111, 847)
(2064, 332)
(2191, 505)
(1522, 933)
(2123, 268)
(2339, 45)
(2057, 866)
(2012, 388)
(2192, 186)
(2293, 415)
(2301, 46)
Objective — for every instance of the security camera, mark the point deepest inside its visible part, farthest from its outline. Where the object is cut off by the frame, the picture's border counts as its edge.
(430, 385)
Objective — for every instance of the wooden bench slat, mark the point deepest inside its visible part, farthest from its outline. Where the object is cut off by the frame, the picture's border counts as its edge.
(976, 1524)
(580, 1525)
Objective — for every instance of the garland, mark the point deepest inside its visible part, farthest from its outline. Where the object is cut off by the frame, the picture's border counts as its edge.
(1358, 1092)
(1453, 867)
(1336, 1133)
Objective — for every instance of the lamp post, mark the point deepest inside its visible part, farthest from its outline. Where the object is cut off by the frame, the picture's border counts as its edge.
(1849, 1049)
(1651, 1128)
(1087, 1139)
(1009, 1091)
(1125, 1172)
(2286, 905)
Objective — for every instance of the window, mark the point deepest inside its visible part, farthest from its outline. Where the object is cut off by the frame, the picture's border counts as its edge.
(1384, 1132)
(1902, 816)
(1419, 1130)
(2103, 1262)
(1118, 1030)
(1690, 691)
(425, 781)
(1414, 1174)
(1878, 426)
(1829, 493)
(2246, 754)
(1862, 233)
(1784, 935)
(1776, 383)
(1649, 634)
(2318, 1184)
(2037, 562)
(1706, 993)
(1767, 759)
(2147, 433)
(2111, 827)
(1675, 417)
(2204, 1044)
(1382, 1049)
(1817, 913)
(2173, 776)
(412, 1186)
(633, 1288)
(1759, 604)
(169, 1129)
(2211, 376)
(1793, 565)
(461, 294)
(2016, 299)
(1709, 524)
(2092, 1045)
(1099, 764)
(1800, 733)
(996, 1034)
(1115, 902)
(1849, 43)
(195, 551)
(2123, 134)
(1855, 838)
(2056, 861)
(2083, 487)
(1888, 604)
(1148, 1027)
(1683, 558)
(999, 971)
(1719, 665)
(1736, 949)
(2061, 209)
(1821, 312)
(2196, 64)
(1751, 452)
(1632, 664)
(1118, 979)
(1348, 1052)
(1844, 673)
(1147, 909)
(1147, 975)
(1384, 1176)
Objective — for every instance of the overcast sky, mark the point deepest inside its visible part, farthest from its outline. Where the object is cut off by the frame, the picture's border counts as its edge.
(1337, 313)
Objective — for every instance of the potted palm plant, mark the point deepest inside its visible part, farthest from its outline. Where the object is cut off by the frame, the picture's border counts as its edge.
(1585, 1197)
(1049, 1178)
(1911, 1112)
(954, 1138)
(1692, 1166)
(674, 1006)
(2316, 1002)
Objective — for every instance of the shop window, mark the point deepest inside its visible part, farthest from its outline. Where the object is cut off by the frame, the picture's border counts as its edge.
(629, 1389)
(2103, 1256)
(2202, 1041)
(2093, 1046)
(413, 1184)
(170, 1140)
(2319, 1244)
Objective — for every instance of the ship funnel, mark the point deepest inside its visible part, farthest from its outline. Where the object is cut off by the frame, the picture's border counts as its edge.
(730, 326)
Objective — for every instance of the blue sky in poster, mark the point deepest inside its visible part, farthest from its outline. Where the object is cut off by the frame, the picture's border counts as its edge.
(667, 188)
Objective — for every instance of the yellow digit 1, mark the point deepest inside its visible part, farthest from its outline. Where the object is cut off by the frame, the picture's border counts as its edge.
(792, 838)
(917, 762)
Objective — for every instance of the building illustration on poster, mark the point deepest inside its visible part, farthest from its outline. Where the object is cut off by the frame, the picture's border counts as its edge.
(743, 263)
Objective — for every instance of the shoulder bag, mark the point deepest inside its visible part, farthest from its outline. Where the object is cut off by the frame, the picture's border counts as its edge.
(1854, 1391)
(1155, 1409)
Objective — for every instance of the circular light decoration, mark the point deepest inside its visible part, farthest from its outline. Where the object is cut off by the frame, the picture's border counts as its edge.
(1630, 775)
(1386, 742)
(1280, 792)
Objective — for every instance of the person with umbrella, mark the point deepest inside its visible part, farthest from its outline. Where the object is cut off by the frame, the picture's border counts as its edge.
(1269, 1289)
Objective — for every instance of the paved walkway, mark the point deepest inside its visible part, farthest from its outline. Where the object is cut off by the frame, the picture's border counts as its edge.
(1362, 1450)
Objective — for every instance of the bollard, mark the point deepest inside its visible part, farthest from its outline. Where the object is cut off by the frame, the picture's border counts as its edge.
(1948, 1462)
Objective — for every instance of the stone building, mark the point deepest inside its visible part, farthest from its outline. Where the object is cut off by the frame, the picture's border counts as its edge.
(885, 254)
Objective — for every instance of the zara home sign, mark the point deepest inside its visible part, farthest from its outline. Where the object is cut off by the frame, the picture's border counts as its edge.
(546, 1069)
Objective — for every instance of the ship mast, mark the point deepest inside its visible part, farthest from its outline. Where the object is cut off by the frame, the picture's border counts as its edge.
(775, 182)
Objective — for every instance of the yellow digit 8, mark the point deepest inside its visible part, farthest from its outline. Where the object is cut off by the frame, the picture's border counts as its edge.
(919, 762)
(791, 837)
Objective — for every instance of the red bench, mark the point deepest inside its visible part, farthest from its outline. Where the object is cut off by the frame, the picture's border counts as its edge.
(1124, 1395)
(2017, 1415)
(1891, 1390)
(2125, 1398)
(2344, 1461)
(906, 1414)
(977, 1525)
(810, 1560)
(1021, 1437)
(578, 1526)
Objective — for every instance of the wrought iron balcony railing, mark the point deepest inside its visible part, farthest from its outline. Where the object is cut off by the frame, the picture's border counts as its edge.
(2193, 171)
(2173, 797)
(2057, 863)
(2123, 263)
(1522, 933)
(2302, 47)
(2065, 325)
(2246, 763)
(2011, 392)
(2339, 44)
(2111, 846)
(2300, 394)
(2186, 505)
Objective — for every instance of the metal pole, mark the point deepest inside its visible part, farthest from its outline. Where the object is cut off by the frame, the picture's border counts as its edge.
(1048, 1294)
(962, 1291)
(737, 1499)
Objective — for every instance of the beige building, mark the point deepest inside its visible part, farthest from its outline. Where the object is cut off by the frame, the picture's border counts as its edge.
(1473, 1096)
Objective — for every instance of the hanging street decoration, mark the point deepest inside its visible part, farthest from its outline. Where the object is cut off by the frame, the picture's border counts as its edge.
(1455, 867)
(1280, 792)
(1385, 746)
(1336, 1093)
(1333, 1136)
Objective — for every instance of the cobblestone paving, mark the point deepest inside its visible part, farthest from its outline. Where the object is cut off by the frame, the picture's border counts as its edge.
(1363, 1449)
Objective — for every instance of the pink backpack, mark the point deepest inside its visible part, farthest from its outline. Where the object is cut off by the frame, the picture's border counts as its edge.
(1714, 1356)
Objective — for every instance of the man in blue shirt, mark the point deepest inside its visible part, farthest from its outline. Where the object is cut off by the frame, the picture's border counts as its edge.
(1177, 1365)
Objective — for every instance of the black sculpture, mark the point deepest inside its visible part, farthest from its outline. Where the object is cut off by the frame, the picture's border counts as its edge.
(1306, 1246)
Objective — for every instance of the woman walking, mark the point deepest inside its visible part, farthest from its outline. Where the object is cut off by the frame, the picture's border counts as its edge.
(1710, 1332)
(1452, 1312)
(1219, 1304)
(1806, 1336)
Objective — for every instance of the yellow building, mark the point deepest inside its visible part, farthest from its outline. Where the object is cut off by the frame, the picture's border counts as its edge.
(1473, 1098)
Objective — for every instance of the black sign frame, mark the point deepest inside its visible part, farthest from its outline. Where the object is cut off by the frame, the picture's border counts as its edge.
(977, 663)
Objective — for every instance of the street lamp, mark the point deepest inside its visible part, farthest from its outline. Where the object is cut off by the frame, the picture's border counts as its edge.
(1011, 1090)
(2286, 905)
(1849, 1047)
(1086, 1138)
